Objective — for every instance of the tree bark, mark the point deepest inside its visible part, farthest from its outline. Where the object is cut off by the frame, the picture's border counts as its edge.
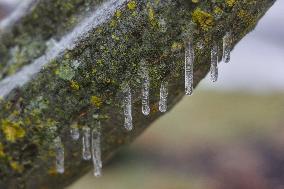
(63, 63)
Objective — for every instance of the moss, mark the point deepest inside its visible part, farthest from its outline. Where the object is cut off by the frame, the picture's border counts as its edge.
(12, 130)
(204, 20)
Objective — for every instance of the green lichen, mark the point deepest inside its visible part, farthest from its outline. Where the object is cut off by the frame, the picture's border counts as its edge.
(65, 71)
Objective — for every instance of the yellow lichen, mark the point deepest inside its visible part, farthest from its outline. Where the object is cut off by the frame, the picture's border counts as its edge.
(245, 16)
(176, 46)
(2, 153)
(151, 15)
(113, 23)
(12, 130)
(195, 1)
(230, 3)
(96, 101)
(74, 85)
(218, 11)
(203, 19)
(16, 166)
(118, 14)
(131, 5)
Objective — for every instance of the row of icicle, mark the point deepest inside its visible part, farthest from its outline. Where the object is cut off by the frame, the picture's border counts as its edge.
(91, 139)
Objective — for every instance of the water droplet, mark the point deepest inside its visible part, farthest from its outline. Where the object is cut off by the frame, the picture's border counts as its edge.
(214, 63)
(189, 60)
(163, 96)
(96, 150)
(227, 47)
(127, 105)
(74, 132)
(86, 143)
(59, 151)
(145, 88)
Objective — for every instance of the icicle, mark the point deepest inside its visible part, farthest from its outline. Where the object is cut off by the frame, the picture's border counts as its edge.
(127, 105)
(145, 88)
(227, 47)
(214, 63)
(163, 96)
(86, 143)
(74, 132)
(96, 151)
(189, 60)
(59, 150)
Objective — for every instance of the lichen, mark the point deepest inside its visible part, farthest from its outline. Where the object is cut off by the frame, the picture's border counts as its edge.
(230, 3)
(132, 5)
(16, 166)
(74, 85)
(12, 130)
(96, 101)
(2, 153)
(204, 20)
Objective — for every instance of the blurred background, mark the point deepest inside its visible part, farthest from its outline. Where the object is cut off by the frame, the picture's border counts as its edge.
(229, 134)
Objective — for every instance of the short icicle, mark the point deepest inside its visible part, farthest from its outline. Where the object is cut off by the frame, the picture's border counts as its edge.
(145, 88)
(163, 96)
(59, 151)
(227, 47)
(214, 63)
(96, 150)
(127, 105)
(86, 153)
(189, 60)
(74, 132)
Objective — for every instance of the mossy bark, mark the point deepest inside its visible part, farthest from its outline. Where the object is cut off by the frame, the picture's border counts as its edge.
(82, 84)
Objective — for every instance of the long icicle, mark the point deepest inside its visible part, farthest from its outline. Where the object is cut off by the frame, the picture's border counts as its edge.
(96, 150)
(86, 151)
(214, 63)
(59, 151)
(127, 105)
(145, 88)
(163, 96)
(189, 61)
(227, 47)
